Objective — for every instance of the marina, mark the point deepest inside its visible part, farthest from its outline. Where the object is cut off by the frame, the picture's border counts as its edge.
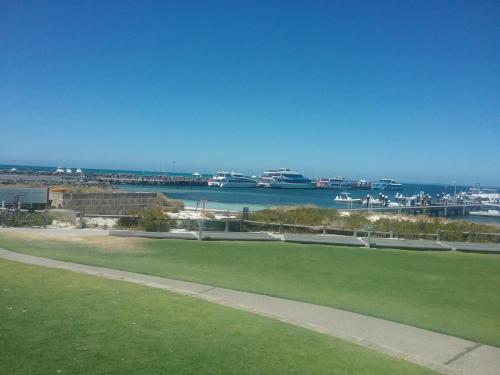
(231, 191)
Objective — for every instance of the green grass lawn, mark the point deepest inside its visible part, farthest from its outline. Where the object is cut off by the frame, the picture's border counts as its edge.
(453, 293)
(58, 322)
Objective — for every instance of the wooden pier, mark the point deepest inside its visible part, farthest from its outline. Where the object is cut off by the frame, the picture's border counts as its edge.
(430, 210)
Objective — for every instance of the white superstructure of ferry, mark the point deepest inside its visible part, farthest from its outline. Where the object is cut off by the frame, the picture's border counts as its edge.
(285, 178)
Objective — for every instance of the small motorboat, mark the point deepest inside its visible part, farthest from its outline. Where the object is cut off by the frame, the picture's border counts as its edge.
(489, 213)
(346, 198)
(373, 202)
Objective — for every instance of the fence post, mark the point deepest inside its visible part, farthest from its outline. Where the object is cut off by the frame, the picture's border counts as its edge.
(200, 229)
(355, 233)
(281, 228)
(324, 229)
(188, 226)
(438, 235)
(82, 220)
(45, 218)
(226, 229)
(369, 245)
(467, 236)
(391, 234)
(245, 214)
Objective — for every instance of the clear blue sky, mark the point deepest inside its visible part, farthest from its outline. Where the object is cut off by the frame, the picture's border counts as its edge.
(403, 89)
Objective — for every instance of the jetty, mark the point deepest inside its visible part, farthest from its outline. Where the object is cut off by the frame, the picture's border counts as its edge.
(444, 210)
(49, 179)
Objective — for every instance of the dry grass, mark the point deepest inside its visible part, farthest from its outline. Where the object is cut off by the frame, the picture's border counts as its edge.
(105, 243)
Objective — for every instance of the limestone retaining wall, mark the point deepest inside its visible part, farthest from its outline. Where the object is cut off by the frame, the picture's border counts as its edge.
(105, 203)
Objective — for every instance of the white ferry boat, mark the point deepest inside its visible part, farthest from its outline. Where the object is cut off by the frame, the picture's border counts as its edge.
(386, 184)
(237, 180)
(232, 179)
(217, 178)
(337, 182)
(285, 178)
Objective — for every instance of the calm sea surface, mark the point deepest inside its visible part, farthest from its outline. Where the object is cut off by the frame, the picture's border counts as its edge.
(258, 198)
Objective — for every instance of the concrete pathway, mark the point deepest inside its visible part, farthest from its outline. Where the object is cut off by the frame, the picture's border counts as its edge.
(443, 353)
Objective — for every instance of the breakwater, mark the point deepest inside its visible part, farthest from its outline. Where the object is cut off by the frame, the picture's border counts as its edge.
(99, 179)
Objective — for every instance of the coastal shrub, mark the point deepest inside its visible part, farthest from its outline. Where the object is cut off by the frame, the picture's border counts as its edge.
(175, 205)
(208, 215)
(467, 231)
(450, 231)
(154, 221)
(301, 215)
(355, 220)
(169, 205)
(127, 222)
(147, 220)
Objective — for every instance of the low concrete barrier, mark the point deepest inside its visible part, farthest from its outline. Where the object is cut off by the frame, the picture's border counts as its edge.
(336, 240)
(159, 235)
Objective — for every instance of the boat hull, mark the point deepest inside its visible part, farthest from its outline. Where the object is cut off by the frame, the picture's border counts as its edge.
(238, 185)
(288, 185)
(354, 200)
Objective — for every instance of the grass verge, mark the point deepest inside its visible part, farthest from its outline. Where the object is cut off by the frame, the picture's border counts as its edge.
(58, 322)
(452, 293)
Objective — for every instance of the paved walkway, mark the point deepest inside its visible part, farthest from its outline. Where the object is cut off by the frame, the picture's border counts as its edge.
(443, 353)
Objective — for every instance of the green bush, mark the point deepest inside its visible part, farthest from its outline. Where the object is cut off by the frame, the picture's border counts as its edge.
(127, 222)
(148, 220)
(355, 221)
(450, 231)
(301, 215)
(154, 221)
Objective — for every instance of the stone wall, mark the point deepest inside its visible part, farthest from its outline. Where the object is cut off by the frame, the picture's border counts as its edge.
(106, 203)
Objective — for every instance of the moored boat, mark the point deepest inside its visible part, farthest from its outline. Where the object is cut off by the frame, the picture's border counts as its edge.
(337, 182)
(346, 198)
(386, 184)
(237, 180)
(232, 180)
(285, 178)
(488, 213)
